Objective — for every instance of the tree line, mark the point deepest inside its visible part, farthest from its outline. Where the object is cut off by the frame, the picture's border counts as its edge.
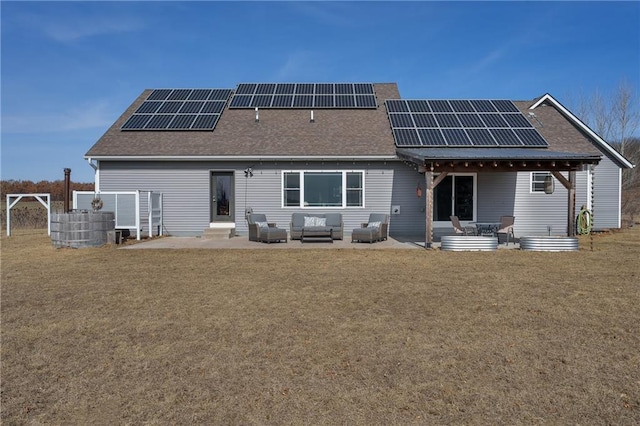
(55, 188)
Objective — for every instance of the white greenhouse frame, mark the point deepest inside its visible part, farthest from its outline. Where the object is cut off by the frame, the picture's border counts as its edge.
(19, 197)
(154, 207)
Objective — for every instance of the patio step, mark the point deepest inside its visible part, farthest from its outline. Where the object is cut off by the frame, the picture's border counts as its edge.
(218, 233)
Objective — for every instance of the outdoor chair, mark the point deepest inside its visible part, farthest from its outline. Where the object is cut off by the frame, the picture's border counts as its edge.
(376, 229)
(460, 229)
(261, 230)
(506, 227)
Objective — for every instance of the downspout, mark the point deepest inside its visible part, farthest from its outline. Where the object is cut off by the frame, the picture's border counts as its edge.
(96, 170)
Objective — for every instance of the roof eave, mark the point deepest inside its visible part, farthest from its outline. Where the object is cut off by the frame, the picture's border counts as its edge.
(575, 120)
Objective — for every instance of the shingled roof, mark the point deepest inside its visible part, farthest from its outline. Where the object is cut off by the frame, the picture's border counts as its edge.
(334, 133)
(279, 133)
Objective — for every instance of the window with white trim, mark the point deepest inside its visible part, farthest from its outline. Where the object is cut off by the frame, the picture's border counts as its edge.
(537, 181)
(318, 189)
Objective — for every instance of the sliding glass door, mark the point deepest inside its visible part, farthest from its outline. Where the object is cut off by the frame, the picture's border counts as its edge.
(455, 196)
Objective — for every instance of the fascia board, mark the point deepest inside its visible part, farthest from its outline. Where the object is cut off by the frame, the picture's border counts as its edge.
(241, 158)
(584, 127)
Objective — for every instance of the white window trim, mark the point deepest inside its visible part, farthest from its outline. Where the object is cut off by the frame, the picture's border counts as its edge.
(441, 223)
(546, 173)
(344, 189)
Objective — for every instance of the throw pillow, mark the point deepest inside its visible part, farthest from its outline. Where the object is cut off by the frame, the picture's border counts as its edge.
(375, 225)
(262, 225)
(311, 221)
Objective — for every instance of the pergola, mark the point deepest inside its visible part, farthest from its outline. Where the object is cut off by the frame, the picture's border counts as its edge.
(437, 163)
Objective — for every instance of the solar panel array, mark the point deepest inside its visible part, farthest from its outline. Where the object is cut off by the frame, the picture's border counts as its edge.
(179, 109)
(460, 123)
(304, 95)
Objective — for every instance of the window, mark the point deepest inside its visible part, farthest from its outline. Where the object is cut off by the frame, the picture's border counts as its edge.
(454, 196)
(323, 189)
(537, 181)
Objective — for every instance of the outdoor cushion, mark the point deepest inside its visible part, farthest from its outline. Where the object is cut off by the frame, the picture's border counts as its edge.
(333, 219)
(375, 225)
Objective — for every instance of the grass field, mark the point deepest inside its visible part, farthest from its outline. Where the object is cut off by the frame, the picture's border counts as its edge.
(322, 337)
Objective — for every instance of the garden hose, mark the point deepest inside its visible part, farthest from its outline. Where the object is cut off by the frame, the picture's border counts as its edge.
(584, 221)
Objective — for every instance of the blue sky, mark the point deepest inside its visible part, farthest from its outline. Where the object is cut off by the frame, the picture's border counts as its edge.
(69, 69)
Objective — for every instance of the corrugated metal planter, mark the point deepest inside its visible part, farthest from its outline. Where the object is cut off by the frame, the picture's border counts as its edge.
(78, 230)
(549, 243)
(468, 243)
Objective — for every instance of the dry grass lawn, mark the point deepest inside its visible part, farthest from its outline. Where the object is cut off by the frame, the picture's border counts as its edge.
(320, 337)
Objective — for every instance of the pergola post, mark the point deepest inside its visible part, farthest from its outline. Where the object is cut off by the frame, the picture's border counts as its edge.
(570, 184)
(428, 184)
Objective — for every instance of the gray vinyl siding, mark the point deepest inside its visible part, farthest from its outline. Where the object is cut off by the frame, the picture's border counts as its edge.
(185, 188)
(186, 192)
(186, 195)
(606, 188)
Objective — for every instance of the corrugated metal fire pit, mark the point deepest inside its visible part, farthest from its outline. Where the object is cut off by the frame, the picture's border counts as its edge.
(549, 243)
(468, 243)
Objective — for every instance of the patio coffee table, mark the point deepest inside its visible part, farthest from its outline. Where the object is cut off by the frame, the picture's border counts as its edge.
(316, 232)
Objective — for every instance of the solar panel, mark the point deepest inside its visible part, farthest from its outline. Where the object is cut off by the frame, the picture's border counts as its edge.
(179, 109)
(191, 107)
(205, 121)
(461, 106)
(460, 123)
(305, 89)
(401, 120)
(261, 101)
(407, 137)
(516, 120)
(240, 101)
(505, 106)
(440, 106)
(182, 121)
(199, 95)
(456, 137)
(170, 107)
(530, 137)
(483, 106)
(425, 120)
(213, 107)
(159, 121)
(303, 101)
(180, 94)
(137, 121)
(322, 95)
(481, 137)
(470, 120)
(282, 101)
(431, 137)
(418, 106)
(246, 89)
(363, 88)
(159, 95)
(149, 107)
(505, 137)
(285, 89)
(345, 101)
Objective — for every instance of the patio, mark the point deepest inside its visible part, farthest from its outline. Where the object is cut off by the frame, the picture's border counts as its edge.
(242, 242)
